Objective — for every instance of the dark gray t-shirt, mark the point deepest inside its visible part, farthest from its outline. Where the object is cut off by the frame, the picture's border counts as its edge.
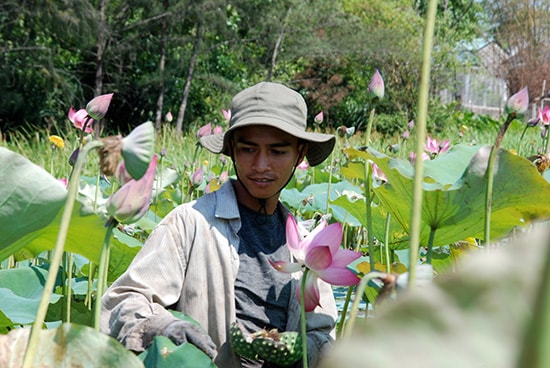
(261, 292)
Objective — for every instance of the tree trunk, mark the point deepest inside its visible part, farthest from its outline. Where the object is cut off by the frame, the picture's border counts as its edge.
(163, 41)
(100, 46)
(190, 70)
(277, 46)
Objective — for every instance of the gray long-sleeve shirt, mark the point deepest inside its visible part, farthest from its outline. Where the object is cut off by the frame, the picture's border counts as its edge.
(189, 263)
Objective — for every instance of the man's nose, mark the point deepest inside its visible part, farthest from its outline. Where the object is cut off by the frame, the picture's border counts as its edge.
(261, 161)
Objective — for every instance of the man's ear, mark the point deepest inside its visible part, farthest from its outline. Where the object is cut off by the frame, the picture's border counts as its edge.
(302, 151)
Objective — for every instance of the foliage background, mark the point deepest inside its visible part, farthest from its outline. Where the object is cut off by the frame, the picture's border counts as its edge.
(188, 57)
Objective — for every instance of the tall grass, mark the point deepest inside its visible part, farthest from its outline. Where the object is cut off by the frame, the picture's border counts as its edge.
(183, 155)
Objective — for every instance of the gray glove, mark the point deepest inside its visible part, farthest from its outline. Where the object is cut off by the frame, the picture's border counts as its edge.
(182, 331)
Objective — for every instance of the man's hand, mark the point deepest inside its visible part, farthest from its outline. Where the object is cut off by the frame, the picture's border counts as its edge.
(182, 331)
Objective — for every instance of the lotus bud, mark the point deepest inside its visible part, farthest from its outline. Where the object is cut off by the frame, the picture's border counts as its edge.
(109, 154)
(169, 117)
(97, 107)
(376, 85)
(318, 119)
(137, 149)
(197, 177)
(132, 200)
(74, 156)
(518, 103)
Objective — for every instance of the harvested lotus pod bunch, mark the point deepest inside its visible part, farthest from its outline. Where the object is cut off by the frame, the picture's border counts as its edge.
(283, 348)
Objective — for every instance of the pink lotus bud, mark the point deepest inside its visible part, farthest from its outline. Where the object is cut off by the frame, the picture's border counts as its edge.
(97, 108)
(168, 116)
(137, 149)
(518, 103)
(132, 200)
(376, 85)
(218, 130)
(318, 119)
(121, 174)
(197, 177)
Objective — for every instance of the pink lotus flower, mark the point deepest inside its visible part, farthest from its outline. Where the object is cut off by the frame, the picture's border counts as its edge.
(226, 114)
(303, 165)
(217, 130)
(376, 85)
(131, 201)
(544, 115)
(81, 119)
(321, 254)
(378, 173)
(412, 157)
(204, 130)
(98, 106)
(519, 102)
(433, 147)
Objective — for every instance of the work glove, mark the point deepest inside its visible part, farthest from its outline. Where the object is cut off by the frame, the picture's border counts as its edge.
(183, 331)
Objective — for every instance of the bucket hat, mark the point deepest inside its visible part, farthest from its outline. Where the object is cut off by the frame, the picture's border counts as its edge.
(275, 105)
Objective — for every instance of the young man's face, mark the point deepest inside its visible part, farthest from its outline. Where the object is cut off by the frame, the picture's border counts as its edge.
(265, 158)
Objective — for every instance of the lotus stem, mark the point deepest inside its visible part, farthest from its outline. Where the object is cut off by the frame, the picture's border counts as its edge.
(102, 271)
(68, 285)
(303, 319)
(358, 296)
(534, 345)
(416, 210)
(490, 176)
(368, 201)
(341, 324)
(430, 245)
(386, 242)
(369, 127)
(57, 255)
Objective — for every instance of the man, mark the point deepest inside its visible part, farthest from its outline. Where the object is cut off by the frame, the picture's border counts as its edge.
(210, 258)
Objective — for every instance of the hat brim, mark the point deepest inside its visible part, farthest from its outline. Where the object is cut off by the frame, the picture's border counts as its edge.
(319, 145)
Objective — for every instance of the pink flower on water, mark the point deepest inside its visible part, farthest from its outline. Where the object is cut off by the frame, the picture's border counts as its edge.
(321, 254)
(80, 119)
(204, 130)
(226, 114)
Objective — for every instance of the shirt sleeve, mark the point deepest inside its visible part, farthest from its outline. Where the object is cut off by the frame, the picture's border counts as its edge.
(134, 307)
